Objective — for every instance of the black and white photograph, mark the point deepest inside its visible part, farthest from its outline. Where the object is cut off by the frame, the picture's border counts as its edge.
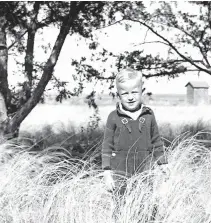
(105, 111)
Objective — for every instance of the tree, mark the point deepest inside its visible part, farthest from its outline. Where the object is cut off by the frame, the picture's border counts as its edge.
(184, 28)
(21, 22)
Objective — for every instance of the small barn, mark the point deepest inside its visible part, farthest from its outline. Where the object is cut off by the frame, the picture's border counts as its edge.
(197, 92)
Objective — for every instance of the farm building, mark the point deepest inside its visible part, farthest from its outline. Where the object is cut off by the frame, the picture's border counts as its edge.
(197, 92)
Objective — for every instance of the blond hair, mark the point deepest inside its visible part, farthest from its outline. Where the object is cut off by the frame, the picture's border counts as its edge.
(128, 74)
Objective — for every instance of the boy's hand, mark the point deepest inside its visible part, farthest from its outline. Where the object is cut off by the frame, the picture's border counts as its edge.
(109, 181)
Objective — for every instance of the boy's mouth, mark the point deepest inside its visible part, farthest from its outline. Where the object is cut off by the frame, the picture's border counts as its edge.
(131, 102)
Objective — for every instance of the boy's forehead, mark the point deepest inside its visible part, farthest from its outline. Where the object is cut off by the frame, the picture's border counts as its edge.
(129, 84)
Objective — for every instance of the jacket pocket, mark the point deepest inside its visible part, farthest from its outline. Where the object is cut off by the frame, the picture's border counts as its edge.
(117, 134)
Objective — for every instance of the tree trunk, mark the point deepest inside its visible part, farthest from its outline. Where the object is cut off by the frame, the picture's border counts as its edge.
(3, 77)
(3, 116)
(3, 61)
(14, 123)
(29, 58)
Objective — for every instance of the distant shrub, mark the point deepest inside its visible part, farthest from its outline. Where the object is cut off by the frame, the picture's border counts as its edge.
(200, 129)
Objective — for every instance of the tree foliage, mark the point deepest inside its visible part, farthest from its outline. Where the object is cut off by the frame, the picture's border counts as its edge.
(182, 28)
(24, 20)
(185, 29)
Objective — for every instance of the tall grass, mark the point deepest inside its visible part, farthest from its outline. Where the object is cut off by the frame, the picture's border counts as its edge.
(45, 187)
(82, 143)
(38, 187)
(181, 195)
(169, 132)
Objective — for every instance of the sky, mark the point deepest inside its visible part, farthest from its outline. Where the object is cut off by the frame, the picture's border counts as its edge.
(115, 39)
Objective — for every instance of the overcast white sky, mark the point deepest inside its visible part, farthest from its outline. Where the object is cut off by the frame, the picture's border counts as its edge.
(116, 40)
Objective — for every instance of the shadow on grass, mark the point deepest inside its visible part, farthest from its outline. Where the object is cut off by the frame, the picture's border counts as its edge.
(83, 145)
(86, 143)
(201, 130)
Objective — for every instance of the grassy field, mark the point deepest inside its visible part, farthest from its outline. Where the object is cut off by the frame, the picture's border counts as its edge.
(69, 126)
(48, 188)
(52, 173)
(78, 115)
(67, 120)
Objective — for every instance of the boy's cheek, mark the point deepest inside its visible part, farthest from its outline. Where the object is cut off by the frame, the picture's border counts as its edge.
(122, 99)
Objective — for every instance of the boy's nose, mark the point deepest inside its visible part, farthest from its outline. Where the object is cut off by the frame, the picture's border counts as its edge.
(130, 97)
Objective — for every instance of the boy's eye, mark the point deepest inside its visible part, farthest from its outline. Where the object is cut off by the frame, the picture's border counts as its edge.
(124, 93)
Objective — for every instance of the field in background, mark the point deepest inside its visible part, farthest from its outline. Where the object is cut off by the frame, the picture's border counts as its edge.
(67, 125)
(79, 115)
(106, 99)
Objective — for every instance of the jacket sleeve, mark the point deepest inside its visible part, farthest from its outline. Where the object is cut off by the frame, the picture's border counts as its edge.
(157, 143)
(108, 142)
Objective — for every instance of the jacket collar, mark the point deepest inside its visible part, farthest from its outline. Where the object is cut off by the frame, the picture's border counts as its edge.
(122, 113)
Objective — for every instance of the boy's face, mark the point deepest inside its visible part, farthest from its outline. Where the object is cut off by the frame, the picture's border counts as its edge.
(130, 94)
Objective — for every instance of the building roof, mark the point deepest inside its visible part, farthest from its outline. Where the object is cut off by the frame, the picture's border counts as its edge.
(197, 84)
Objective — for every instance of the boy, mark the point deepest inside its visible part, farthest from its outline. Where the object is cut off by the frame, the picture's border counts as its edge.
(131, 138)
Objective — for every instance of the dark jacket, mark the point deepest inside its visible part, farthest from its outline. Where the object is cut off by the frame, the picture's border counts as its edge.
(130, 146)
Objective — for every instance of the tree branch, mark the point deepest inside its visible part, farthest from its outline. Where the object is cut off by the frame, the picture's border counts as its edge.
(146, 35)
(17, 39)
(166, 73)
(29, 58)
(105, 78)
(171, 45)
(209, 16)
(151, 42)
(197, 44)
(110, 25)
(158, 74)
